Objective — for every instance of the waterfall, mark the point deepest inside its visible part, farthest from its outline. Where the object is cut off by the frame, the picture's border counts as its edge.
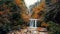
(28, 3)
(33, 23)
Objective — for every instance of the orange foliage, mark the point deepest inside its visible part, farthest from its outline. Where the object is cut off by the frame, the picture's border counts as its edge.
(44, 24)
(17, 1)
(37, 9)
(1, 12)
(23, 9)
(25, 17)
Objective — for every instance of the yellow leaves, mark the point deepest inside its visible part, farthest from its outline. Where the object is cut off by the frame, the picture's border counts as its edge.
(38, 8)
(19, 2)
(35, 16)
(23, 9)
(25, 17)
(44, 24)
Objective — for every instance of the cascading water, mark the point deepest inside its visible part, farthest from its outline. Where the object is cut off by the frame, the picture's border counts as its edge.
(28, 3)
(33, 23)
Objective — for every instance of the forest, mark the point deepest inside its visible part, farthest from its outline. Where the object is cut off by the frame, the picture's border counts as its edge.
(13, 16)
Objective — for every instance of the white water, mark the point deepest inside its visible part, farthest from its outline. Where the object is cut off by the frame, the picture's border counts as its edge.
(33, 23)
(28, 3)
